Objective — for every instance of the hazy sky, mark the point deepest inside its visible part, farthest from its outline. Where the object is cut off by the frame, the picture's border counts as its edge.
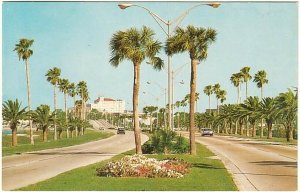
(74, 36)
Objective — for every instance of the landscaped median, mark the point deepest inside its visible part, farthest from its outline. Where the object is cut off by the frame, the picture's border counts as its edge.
(25, 146)
(204, 174)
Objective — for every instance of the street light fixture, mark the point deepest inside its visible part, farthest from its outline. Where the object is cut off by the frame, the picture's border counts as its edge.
(168, 23)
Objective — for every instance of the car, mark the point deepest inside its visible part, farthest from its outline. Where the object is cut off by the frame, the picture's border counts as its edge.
(207, 131)
(101, 128)
(121, 131)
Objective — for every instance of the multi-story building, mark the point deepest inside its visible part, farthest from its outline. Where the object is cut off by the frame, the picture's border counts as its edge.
(108, 105)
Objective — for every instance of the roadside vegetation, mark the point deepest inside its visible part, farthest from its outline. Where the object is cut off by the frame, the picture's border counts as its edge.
(25, 146)
(199, 178)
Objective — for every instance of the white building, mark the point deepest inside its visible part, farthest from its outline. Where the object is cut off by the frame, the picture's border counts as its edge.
(108, 105)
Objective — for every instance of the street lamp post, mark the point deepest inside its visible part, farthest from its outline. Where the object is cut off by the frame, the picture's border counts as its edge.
(168, 23)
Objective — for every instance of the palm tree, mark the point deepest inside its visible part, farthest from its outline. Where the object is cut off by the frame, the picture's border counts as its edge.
(81, 89)
(208, 90)
(195, 41)
(246, 77)
(150, 110)
(12, 114)
(23, 50)
(251, 107)
(53, 77)
(287, 106)
(236, 79)
(163, 112)
(72, 92)
(221, 95)
(44, 119)
(269, 113)
(64, 87)
(216, 90)
(261, 78)
(135, 46)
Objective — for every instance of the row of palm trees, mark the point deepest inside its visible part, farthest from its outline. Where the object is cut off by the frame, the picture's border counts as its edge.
(13, 112)
(43, 118)
(234, 118)
(68, 89)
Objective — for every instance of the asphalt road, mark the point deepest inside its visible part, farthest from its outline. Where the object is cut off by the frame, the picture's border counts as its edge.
(256, 166)
(29, 168)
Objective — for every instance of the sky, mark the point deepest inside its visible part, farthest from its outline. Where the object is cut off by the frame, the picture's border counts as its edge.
(74, 36)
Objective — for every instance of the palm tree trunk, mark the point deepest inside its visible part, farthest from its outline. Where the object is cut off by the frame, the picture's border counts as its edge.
(193, 81)
(151, 122)
(209, 104)
(236, 127)
(29, 101)
(289, 133)
(75, 115)
(247, 127)
(178, 119)
(261, 121)
(14, 138)
(218, 128)
(66, 113)
(269, 131)
(55, 130)
(253, 130)
(45, 135)
(137, 132)
(238, 94)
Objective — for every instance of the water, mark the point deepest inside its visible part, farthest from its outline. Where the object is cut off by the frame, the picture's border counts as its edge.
(6, 132)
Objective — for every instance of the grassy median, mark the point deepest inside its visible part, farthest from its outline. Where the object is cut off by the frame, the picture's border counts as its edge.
(205, 175)
(25, 146)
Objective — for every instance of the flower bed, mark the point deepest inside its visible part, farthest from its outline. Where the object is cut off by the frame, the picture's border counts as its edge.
(141, 166)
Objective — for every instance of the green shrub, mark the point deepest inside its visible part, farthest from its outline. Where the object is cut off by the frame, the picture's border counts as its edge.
(181, 145)
(162, 141)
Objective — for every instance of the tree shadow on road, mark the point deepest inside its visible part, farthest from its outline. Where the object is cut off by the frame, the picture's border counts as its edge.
(73, 153)
(280, 163)
(205, 166)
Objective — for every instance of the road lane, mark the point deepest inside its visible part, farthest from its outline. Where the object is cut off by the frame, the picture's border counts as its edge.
(255, 165)
(22, 170)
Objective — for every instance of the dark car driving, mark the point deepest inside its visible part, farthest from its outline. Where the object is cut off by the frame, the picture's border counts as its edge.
(120, 131)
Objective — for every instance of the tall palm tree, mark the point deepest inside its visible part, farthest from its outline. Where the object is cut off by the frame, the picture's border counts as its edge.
(81, 89)
(43, 117)
(23, 50)
(208, 90)
(83, 92)
(260, 79)
(12, 113)
(236, 79)
(221, 95)
(72, 92)
(195, 41)
(287, 106)
(135, 45)
(53, 77)
(246, 77)
(216, 90)
(63, 85)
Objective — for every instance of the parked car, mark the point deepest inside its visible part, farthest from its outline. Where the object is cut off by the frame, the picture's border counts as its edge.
(121, 131)
(207, 131)
(101, 128)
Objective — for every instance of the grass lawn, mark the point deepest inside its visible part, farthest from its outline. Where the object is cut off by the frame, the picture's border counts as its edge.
(274, 139)
(205, 175)
(25, 146)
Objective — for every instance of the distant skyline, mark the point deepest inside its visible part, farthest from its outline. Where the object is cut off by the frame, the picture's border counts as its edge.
(74, 36)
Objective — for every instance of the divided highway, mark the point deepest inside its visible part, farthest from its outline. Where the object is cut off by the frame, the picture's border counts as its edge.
(256, 166)
(29, 168)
